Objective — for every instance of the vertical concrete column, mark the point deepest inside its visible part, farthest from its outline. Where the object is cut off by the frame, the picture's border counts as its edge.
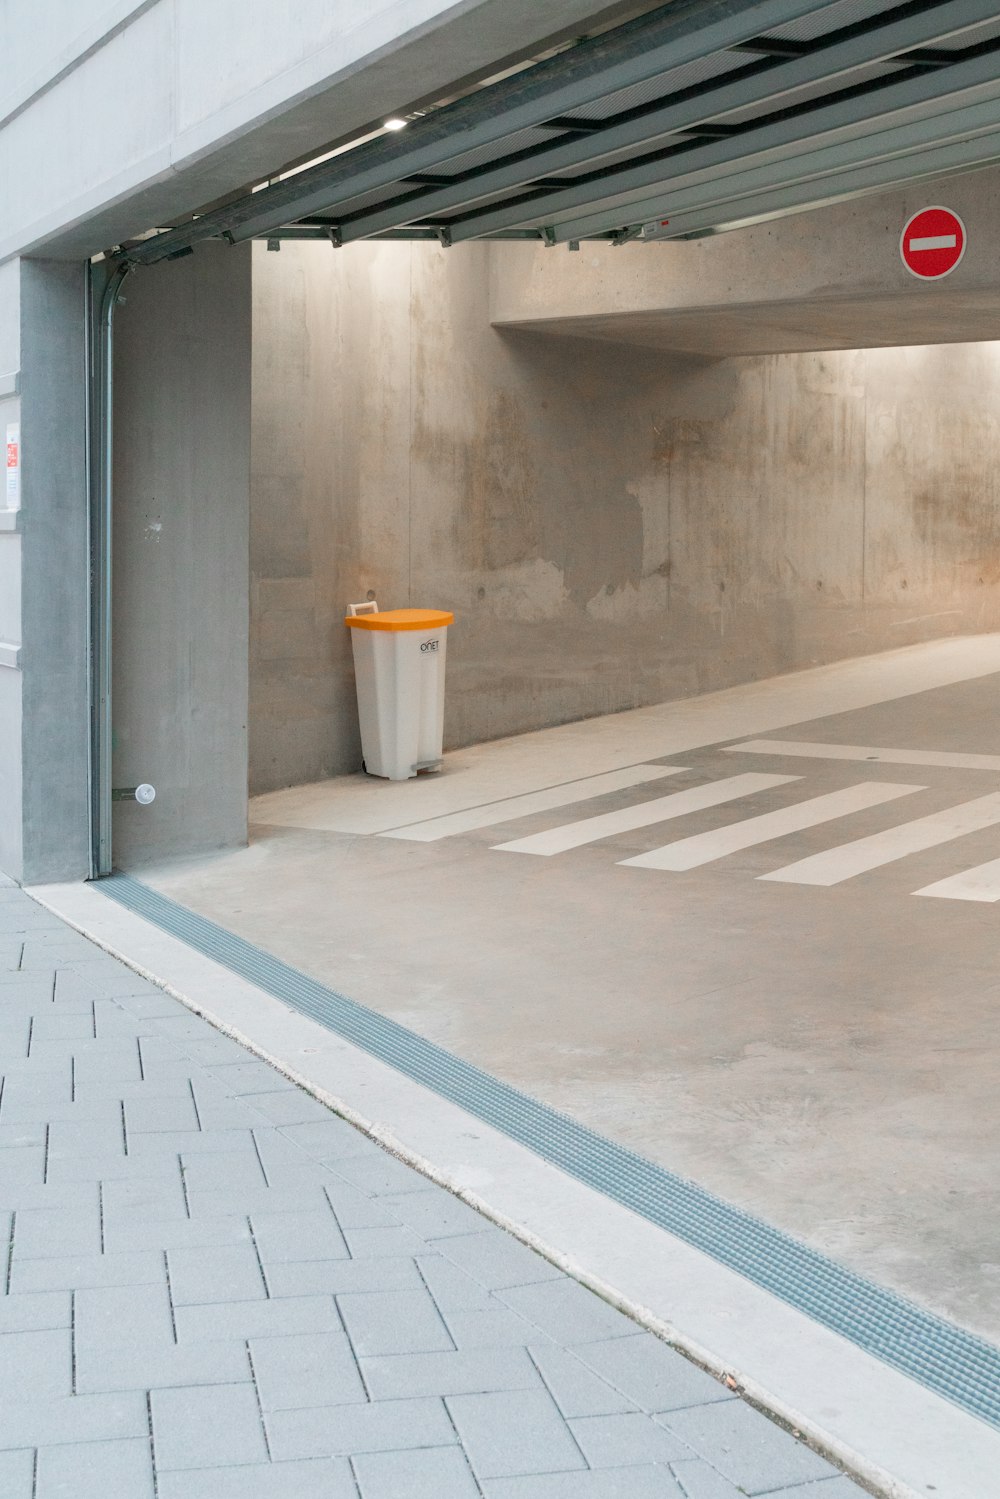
(181, 554)
(46, 775)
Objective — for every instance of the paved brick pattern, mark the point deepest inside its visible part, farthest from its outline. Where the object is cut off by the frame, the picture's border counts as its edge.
(213, 1287)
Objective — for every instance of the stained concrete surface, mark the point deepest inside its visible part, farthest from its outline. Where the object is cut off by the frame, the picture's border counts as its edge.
(792, 326)
(825, 1057)
(181, 519)
(612, 525)
(43, 701)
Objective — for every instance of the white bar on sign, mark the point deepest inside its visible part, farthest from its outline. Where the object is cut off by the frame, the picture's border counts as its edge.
(851, 859)
(703, 848)
(662, 809)
(934, 242)
(981, 883)
(808, 750)
(485, 816)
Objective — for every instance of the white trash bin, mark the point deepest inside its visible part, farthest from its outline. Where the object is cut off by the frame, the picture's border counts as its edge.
(399, 659)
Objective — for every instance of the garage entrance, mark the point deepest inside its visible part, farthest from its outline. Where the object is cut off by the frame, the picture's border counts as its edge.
(711, 863)
(747, 933)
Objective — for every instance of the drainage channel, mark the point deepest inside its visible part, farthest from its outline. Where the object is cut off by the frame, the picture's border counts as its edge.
(943, 1357)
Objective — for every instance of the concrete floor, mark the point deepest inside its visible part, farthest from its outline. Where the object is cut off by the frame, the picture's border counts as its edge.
(822, 1055)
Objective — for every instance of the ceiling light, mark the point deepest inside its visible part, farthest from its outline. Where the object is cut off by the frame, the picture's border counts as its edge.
(395, 124)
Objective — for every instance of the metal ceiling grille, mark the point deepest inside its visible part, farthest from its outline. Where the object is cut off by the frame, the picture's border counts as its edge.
(697, 116)
(831, 18)
(668, 85)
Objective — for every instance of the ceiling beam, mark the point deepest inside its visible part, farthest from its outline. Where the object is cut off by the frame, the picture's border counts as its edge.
(410, 232)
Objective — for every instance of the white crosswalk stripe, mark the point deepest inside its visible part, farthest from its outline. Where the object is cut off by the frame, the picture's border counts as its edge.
(704, 848)
(981, 883)
(807, 749)
(850, 859)
(646, 814)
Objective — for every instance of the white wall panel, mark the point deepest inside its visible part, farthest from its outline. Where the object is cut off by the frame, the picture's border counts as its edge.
(189, 100)
(112, 114)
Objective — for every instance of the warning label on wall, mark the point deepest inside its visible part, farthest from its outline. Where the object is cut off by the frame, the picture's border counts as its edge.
(13, 492)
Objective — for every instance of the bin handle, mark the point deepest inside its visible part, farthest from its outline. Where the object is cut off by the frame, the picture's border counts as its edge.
(370, 606)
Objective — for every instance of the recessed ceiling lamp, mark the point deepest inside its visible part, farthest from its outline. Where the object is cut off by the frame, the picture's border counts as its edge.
(395, 124)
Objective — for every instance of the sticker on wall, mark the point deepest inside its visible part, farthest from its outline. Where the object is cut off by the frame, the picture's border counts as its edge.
(932, 243)
(13, 493)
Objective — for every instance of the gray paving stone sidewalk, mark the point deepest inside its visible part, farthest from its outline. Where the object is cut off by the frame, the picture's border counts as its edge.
(215, 1287)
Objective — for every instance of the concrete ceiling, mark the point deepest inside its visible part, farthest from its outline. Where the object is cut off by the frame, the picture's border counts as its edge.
(793, 327)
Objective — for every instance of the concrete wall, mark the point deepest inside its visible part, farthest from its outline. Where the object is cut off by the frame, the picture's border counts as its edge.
(11, 813)
(613, 526)
(54, 571)
(182, 425)
(43, 576)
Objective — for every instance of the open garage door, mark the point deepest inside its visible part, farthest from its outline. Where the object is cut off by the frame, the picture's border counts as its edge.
(694, 118)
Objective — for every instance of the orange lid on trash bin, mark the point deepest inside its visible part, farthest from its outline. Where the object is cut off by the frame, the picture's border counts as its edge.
(401, 619)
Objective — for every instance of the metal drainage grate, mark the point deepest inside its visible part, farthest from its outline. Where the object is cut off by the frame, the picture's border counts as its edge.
(952, 1362)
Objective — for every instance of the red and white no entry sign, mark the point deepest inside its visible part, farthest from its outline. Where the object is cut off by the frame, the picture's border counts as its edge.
(932, 243)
